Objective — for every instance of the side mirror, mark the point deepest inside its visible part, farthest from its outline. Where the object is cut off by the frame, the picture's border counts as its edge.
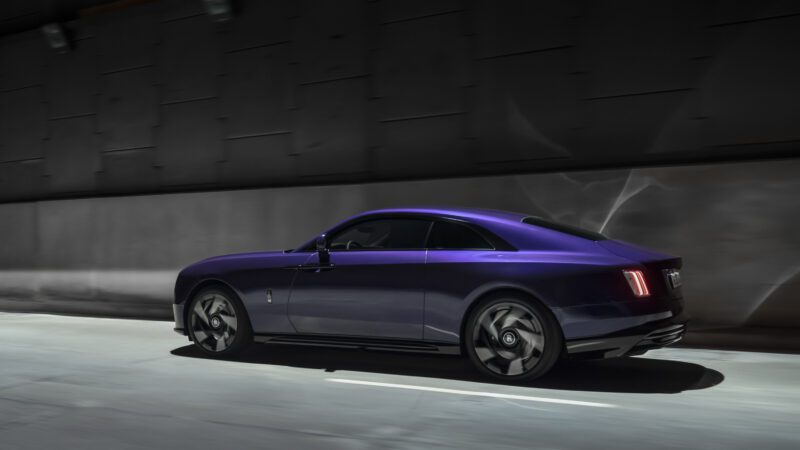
(322, 243)
(322, 249)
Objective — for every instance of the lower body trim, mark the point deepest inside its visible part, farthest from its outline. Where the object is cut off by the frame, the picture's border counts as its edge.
(397, 345)
(631, 342)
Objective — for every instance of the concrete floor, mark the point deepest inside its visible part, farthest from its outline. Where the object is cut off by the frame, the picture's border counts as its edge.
(71, 382)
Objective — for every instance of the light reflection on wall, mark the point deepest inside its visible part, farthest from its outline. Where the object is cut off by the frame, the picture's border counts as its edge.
(735, 225)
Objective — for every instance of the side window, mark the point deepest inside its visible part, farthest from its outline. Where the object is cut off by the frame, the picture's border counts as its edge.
(454, 236)
(383, 234)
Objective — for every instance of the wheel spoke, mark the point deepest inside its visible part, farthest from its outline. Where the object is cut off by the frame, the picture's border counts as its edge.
(515, 367)
(484, 353)
(531, 339)
(201, 313)
(526, 325)
(499, 316)
(216, 305)
(230, 321)
(220, 344)
(488, 325)
(200, 335)
(512, 317)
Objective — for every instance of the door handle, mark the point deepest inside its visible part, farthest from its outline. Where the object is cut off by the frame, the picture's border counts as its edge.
(315, 267)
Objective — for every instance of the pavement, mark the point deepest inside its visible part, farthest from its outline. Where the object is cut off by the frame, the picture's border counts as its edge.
(90, 383)
(748, 338)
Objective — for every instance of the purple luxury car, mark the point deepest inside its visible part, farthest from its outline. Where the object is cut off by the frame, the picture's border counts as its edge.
(513, 292)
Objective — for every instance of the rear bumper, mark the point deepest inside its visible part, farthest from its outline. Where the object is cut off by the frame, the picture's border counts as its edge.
(632, 341)
(177, 311)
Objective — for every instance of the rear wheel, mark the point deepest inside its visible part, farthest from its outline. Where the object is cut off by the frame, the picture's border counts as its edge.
(513, 338)
(218, 322)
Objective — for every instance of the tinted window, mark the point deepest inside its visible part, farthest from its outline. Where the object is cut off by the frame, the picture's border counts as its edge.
(573, 231)
(454, 236)
(382, 234)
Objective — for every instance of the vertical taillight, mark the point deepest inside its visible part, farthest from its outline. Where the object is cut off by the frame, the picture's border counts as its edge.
(636, 281)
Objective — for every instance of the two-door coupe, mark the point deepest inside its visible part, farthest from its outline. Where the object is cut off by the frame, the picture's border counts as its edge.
(513, 292)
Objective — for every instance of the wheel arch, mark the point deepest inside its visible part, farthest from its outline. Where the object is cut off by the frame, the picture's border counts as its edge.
(477, 297)
(206, 283)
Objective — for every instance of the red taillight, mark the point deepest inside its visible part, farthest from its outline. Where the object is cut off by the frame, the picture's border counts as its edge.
(636, 281)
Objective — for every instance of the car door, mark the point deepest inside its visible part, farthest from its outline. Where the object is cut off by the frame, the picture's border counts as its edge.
(372, 286)
(459, 260)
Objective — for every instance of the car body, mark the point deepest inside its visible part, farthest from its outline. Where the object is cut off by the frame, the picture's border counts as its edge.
(411, 278)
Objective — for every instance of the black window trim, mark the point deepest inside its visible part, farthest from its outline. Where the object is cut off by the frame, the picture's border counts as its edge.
(371, 218)
(497, 243)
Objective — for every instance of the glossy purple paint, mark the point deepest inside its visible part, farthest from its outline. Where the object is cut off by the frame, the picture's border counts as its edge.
(425, 294)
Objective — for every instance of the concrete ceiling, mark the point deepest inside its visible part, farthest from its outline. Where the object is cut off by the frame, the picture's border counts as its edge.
(21, 15)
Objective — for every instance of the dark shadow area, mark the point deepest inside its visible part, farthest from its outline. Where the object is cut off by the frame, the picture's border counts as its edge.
(745, 339)
(638, 375)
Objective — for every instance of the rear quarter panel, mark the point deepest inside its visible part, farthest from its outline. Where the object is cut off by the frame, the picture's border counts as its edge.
(585, 290)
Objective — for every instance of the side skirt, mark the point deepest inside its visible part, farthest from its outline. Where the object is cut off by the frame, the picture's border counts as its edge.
(397, 345)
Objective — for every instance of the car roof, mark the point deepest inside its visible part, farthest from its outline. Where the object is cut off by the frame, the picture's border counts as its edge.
(507, 226)
(454, 212)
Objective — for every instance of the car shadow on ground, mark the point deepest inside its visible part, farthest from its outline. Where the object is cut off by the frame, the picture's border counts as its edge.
(626, 375)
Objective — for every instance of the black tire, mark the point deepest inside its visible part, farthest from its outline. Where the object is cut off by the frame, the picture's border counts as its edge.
(206, 332)
(513, 337)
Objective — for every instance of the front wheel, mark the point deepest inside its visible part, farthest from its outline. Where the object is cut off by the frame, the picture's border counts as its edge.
(513, 338)
(218, 322)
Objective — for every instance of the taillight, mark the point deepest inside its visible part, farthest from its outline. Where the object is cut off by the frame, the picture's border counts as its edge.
(636, 281)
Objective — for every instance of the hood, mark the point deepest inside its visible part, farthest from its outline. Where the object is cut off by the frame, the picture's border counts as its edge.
(245, 255)
(235, 260)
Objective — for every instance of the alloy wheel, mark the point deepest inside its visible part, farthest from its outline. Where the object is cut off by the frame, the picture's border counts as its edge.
(508, 339)
(214, 322)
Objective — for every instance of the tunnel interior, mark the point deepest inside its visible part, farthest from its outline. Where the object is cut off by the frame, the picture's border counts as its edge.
(138, 137)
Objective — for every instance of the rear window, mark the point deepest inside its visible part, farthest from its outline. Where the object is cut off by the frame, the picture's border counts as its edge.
(566, 229)
(453, 236)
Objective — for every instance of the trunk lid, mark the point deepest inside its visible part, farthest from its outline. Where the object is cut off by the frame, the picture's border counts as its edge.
(638, 254)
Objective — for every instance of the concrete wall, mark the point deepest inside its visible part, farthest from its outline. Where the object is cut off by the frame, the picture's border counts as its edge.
(734, 224)
(157, 97)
